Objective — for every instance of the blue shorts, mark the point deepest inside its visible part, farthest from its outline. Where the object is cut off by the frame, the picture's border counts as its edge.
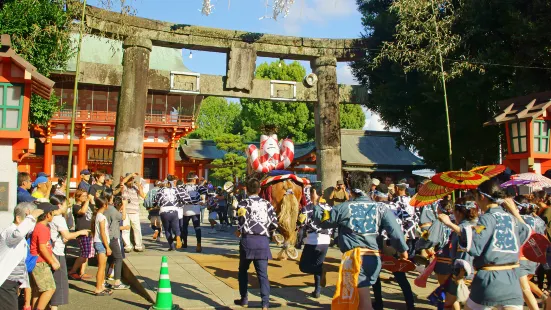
(371, 267)
(100, 248)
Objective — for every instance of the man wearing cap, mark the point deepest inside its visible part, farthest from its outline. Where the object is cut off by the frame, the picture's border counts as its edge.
(339, 194)
(43, 188)
(131, 192)
(24, 184)
(84, 180)
(42, 278)
(360, 222)
(406, 214)
(374, 184)
(13, 253)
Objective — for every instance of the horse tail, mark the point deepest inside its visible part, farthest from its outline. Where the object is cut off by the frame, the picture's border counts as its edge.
(289, 213)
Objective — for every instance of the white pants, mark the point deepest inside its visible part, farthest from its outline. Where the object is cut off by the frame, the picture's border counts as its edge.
(474, 306)
(134, 221)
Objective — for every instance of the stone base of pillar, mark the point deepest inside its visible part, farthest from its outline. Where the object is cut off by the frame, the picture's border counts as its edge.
(329, 169)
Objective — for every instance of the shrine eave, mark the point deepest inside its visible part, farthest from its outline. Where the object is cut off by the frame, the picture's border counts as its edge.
(520, 108)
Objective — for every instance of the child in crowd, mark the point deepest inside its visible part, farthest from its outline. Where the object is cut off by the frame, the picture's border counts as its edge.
(60, 235)
(212, 206)
(82, 212)
(100, 233)
(42, 280)
(114, 218)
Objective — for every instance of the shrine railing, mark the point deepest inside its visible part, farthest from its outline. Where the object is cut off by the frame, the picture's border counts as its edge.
(111, 117)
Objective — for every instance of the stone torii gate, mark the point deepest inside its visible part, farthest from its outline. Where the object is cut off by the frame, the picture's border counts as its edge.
(242, 48)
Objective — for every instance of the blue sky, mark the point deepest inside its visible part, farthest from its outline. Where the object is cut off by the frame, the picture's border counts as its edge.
(308, 18)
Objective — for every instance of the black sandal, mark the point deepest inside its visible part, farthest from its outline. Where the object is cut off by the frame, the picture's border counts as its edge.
(105, 292)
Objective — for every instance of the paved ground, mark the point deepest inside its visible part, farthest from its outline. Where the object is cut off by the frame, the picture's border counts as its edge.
(195, 288)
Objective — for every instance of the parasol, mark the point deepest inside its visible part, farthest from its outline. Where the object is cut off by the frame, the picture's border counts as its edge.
(430, 189)
(459, 179)
(489, 171)
(421, 201)
(538, 180)
(429, 193)
(515, 182)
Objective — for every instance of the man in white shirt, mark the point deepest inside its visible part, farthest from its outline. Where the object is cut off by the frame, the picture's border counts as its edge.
(13, 252)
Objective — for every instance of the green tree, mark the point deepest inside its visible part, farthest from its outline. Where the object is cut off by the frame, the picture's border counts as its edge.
(234, 163)
(352, 116)
(40, 33)
(502, 40)
(291, 119)
(217, 117)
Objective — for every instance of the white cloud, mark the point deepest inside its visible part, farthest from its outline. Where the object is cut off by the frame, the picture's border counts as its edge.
(373, 121)
(344, 75)
(315, 12)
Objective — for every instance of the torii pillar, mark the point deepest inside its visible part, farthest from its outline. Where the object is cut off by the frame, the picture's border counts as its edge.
(130, 126)
(327, 121)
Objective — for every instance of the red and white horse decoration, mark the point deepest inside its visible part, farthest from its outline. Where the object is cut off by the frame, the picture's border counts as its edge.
(272, 156)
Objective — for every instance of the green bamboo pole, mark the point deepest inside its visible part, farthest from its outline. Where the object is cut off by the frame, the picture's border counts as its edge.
(442, 75)
(75, 95)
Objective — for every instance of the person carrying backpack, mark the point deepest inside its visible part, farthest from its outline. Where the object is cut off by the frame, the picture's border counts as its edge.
(154, 216)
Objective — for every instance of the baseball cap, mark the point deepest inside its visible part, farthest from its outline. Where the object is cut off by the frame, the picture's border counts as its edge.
(85, 172)
(40, 180)
(375, 182)
(340, 182)
(47, 207)
(402, 184)
(42, 174)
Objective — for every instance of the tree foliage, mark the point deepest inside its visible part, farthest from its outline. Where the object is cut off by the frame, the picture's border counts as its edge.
(217, 117)
(40, 33)
(292, 119)
(504, 40)
(234, 163)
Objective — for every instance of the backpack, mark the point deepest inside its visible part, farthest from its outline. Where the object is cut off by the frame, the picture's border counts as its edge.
(30, 261)
(149, 201)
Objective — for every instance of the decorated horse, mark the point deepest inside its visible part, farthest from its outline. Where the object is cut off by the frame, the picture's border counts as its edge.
(282, 188)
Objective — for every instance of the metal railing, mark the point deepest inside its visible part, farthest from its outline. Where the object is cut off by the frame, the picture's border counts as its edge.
(111, 117)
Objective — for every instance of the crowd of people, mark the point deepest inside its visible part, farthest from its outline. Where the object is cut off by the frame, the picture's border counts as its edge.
(475, 240)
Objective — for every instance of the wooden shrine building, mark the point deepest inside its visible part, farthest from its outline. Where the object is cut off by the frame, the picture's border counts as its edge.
(526, 121)
(168, 116)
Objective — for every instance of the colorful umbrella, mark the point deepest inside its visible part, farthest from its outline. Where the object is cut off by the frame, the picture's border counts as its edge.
(538, 180)
(489, 171)
(459, 179)
(421, 201)
(430, 189)
(515, 182)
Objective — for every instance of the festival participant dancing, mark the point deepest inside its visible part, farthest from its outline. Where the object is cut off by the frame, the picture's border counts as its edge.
(400, 277)
(466, 214)
(528, 268)
(168, 201)
(360, 222)
(495, 243)
(316, 242)
(257, 223)
(190, 195)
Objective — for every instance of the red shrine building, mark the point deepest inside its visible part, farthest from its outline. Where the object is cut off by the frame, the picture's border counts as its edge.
(169, 116)
(526, 121)
(18, 80)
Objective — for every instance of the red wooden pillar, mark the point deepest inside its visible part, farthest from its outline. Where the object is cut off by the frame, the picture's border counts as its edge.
(48, 152)
(200, 171)
(170, 160)
(81, 160)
